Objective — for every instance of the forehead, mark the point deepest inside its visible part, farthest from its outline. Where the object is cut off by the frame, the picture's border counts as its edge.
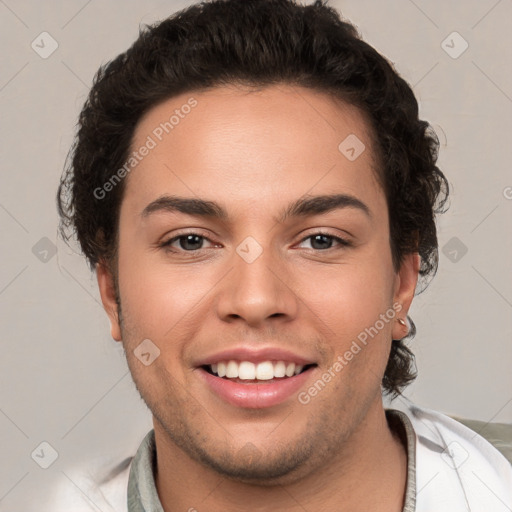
(247, 146)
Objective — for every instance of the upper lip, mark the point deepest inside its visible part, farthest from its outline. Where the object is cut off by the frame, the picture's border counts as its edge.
(255, 355)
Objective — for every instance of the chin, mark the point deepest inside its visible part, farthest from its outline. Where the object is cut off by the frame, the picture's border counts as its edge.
(251, 466)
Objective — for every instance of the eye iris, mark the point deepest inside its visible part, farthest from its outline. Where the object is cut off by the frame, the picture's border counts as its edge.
(190, 239)
(325, 238)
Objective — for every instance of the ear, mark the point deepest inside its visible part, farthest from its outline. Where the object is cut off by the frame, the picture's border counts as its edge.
(108, 298)
(405, 285)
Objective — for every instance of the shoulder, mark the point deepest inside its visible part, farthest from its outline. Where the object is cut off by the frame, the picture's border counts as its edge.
(490, 440)
(498, 434)
(81, 490)
(455, 465)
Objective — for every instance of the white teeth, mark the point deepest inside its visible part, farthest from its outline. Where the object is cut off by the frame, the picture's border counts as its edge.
(279, 369)
(265, 371)
(290, 369)
(245, 370)
(221, 369)
(232, 370)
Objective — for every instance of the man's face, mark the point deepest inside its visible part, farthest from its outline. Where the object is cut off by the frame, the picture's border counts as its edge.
(253, 287)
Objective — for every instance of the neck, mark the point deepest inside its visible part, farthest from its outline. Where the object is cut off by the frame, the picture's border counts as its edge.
(367, 472)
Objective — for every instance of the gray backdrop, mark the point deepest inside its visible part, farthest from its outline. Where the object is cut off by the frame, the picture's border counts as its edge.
(63, 380)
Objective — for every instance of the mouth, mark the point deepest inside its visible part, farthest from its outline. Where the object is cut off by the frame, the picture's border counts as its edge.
(247, 372)
(250, 385)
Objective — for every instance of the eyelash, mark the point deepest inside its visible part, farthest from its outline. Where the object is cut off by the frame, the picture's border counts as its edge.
(167, 244)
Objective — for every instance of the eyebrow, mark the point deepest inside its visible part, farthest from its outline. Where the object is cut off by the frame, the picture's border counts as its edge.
(303, 207)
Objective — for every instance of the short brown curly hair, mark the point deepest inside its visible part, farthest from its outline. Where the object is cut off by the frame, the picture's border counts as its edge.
(258, 42)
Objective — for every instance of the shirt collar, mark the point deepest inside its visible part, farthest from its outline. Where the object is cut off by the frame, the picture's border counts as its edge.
(401, 424)
(142, 494)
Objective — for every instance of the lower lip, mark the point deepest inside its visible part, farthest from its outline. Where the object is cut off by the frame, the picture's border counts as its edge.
(255, 396)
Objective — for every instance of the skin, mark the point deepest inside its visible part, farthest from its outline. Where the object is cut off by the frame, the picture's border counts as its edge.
(254, 152)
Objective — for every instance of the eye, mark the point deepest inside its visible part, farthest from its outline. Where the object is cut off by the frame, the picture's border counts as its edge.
(323, 241)
(191, 242)
(187, 242)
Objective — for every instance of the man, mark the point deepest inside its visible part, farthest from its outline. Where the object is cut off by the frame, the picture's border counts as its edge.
(257, 195)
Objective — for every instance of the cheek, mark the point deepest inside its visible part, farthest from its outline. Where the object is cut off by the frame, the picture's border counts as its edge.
(349, 298)
(158, 300)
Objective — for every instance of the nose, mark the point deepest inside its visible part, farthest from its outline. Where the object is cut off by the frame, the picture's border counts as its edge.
(257, 291)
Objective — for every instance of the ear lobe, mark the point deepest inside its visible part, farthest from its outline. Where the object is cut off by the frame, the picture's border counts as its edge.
(108, 298)
(405, 287)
